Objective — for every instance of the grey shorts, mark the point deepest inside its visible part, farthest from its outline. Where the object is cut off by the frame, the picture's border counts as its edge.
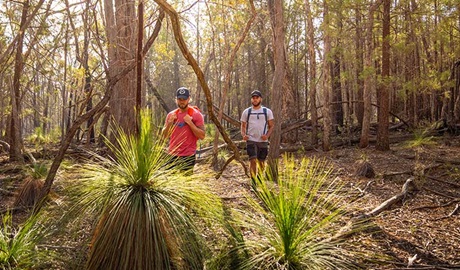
(257, 150)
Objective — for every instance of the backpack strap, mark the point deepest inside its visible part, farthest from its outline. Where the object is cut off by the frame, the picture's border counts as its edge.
(190, 110)
(266, 120)
(264, 109)
(247, 121)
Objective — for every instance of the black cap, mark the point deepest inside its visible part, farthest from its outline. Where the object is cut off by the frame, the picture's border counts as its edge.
(256, 93)
(182, 93)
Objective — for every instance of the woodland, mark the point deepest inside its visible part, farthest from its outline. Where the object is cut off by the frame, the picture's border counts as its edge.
(363, 168)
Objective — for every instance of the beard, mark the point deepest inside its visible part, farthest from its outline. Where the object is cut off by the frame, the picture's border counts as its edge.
(256, 104)
(183, 106)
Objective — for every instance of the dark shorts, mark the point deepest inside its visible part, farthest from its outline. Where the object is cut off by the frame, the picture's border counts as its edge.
(183, 164)
(257, 150)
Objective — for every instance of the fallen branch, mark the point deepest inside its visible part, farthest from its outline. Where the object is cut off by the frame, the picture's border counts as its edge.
(407, 187)
(454, 212)
(436, 206)
(362, 192)
(440, 193)
(443, 181)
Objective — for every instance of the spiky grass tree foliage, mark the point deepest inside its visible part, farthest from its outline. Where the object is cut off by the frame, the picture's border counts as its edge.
(291, 223)
(146, 219)
(18, 244)
(30, 189)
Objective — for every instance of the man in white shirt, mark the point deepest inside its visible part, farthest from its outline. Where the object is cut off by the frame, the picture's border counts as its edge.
(257, 123)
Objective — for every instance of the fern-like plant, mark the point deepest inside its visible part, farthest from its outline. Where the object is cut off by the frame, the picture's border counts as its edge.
(145, 211)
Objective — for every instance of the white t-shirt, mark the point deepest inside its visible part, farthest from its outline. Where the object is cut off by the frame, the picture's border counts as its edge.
(257, 123)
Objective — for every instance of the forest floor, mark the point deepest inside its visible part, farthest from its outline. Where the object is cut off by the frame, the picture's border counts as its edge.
(425, 226)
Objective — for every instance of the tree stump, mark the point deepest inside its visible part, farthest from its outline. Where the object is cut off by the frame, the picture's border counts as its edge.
(364, 168)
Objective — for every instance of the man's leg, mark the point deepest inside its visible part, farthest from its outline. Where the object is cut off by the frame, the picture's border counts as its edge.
(187, 164)
(261, 165)
(262, 153)
(252, 153)
(253, 167)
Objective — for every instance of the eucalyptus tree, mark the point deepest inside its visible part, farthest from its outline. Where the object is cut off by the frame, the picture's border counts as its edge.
(312, 72)
(121, 34)
(114, 74)
(383, 142)
(369, 75)
(326, 74)
(29, 12)
(178, 35)
(277, 19)
(228, 75)
(16, 139)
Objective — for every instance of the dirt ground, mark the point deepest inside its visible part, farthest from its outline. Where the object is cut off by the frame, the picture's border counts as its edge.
(424, 228)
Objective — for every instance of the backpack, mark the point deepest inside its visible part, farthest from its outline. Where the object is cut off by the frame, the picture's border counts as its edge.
(264, 109)
(190, 110)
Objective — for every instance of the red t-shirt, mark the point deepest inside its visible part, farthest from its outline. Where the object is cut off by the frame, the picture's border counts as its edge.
(182, 141)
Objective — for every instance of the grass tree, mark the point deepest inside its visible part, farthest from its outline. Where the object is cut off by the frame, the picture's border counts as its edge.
(147, 215)
(19, 244)
(291, 222)
(28, 193)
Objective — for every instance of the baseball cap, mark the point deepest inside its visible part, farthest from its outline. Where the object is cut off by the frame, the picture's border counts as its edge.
(256, 93)
(182, 93)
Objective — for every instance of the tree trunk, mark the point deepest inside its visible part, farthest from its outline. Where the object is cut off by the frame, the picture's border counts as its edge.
(227, 80)
(383, 142)
(277, 84)
(99, 107)
(312, 66)
(139, 64)
(88, 89)
(64, 87)
(46, 121)
(369, 78)
(326, 82)
(359, 41)
(337, 107)
(123, 100)
(200, 76)
(16, 143)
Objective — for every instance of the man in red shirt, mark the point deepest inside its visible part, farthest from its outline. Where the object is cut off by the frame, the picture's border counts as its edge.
(184, 126)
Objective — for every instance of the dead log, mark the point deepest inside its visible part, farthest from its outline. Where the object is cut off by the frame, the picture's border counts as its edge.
(407, 187)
